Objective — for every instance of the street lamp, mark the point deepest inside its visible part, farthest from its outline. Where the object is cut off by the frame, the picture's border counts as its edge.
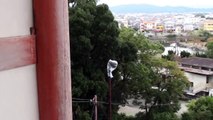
(111, 66)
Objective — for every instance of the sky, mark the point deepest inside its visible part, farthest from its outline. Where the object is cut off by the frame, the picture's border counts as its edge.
(185, 3)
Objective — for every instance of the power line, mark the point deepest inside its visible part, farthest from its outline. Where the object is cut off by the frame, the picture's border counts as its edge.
(94, 112)
(79, 100)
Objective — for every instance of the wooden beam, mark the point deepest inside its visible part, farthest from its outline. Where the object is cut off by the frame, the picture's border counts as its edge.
(17, 52)
(53, 59)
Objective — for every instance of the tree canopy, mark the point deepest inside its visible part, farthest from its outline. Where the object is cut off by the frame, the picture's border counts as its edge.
(141, 73)
(201, 109)
(184, 54)
(94, 40)
(210, 49)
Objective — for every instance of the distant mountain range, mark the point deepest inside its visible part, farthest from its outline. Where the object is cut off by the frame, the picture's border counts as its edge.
(144, 8)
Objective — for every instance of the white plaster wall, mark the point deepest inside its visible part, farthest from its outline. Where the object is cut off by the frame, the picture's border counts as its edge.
(15, 17)
(211, 79)
(199, 81)
(18, 94)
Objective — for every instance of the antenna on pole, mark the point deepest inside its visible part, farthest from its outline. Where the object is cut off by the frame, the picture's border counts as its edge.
(111, 66)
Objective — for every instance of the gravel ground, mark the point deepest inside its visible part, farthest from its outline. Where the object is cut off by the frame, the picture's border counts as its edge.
(129, 111)
(132, 110)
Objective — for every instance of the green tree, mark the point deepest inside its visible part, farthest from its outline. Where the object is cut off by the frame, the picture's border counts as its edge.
(170, 56)
(123, 117)
(210, 49)
(201, 35)
(147, 72)
(201, 109)
(205, 35)
(94, 40)
(171, 37)
(184, 54)
(187, 116)
(127, 56)
(166, 116)
(168, 82)
(132, 47)
(203, 55)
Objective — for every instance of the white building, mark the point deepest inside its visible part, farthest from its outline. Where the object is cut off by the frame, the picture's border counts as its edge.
(149, 25)
(192, 20)
(178, 29)
(179, 19)
(188, 27)
(169, 26)
(199, 72)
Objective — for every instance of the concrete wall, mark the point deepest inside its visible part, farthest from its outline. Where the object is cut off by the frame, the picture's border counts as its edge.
(210, 84)
(16, 17)
(211, 79)
(18, 94)
(18, 87)
(199, 81)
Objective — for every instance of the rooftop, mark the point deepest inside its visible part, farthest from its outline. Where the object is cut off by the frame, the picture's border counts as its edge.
(197, 71)
(197, 61)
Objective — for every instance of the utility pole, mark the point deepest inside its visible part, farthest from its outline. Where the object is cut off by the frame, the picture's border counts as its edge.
(111, 66)
(95, 102)
(110, 99)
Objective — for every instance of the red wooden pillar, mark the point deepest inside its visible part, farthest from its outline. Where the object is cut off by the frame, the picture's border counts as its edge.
(53, 59)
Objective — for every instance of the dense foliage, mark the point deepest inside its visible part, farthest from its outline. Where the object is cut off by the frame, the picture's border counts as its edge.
(170, 56)
(205, 35)
(184, 54)
(208, 53)
(210, 49)
(201, 34)
(94, 40)
(141, 74)
(201, 109)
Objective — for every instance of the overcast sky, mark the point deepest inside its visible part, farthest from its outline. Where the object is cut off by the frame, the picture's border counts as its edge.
(187, 3)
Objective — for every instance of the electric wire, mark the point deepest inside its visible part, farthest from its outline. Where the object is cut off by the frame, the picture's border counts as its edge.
(79, 100)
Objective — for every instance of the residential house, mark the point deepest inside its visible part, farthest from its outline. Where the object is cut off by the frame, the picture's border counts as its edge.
(191, 20)
(142, 27)
(179, 19)
(178, 29)
(188, 27)
(169, 26)
(159, 28)
(208, 25)
(199, 72)
(149, 25)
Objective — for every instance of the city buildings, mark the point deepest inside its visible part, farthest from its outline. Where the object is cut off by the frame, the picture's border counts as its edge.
(178, 23)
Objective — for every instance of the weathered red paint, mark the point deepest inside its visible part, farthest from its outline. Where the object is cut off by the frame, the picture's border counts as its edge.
(53, 59)
(17, 51)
